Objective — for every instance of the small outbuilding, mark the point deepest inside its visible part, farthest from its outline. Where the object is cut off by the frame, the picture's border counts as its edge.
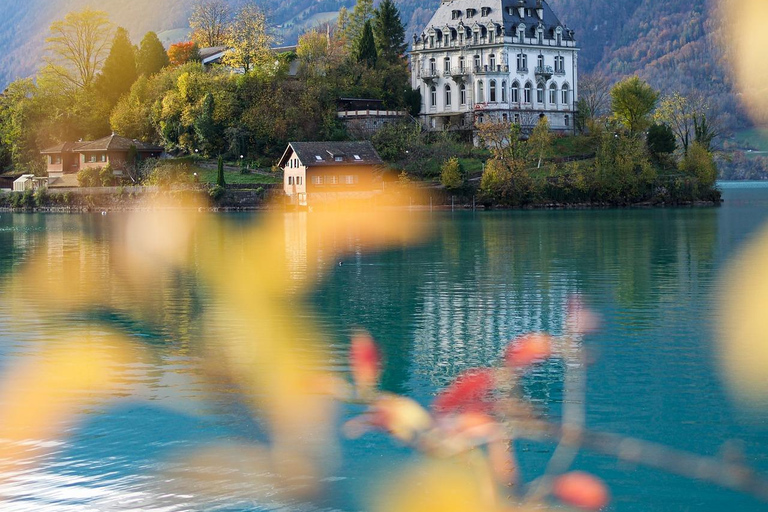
(325, 171)
(29, 182)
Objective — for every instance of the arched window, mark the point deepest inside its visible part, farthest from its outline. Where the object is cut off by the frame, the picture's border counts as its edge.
(447, 65)
(527, 93)
(433, 96)
(463, 94)
(553, 94)
(504, 91)
(492, 61)
(480, 92)
(540, 61)
(540, 93)
(514, 92)
(492, 91)
(447, 95)
(566, 95)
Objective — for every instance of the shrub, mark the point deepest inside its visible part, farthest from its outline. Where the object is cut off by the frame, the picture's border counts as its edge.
(40, 197)
(167, 174)
(89, 177)
(700, 164)
(106, 176)
(452, 174)
(217, 193)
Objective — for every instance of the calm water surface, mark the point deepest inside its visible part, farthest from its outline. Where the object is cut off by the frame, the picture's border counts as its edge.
(437, 309)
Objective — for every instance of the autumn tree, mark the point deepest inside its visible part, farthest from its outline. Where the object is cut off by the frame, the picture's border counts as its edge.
(632, 101)
(312, 52)
(209, 21)
(181, 53)
(452, 174)
(595, 91)
(119, 70)
(249, 38)
(540, 142)
(388, 31)
(366, 47)
(354, 24)
(77, 47)
(151, 56)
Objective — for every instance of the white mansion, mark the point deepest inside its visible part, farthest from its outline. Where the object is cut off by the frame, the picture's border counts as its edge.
(504, 59)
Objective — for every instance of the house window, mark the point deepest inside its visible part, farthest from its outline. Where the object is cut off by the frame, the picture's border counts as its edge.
(540, 93)
(504, 117)
(455, 15)
(485, 11)
(317, 180)
(333, 180)
(447, 95)
(517, 118)
(447, 65)
(350, 179)
(480, 92)
(432, 67)
(514, 92)
(461, 64)
(103, 157)
(338, 158)
(492, 92)
(521, 36)
(527, 93)
(471, 13)
(492, 62)
(290, 180)
(93, 158)
(299, 180)
(567, 120)
(356, 157)
(463, 94)
(477, 63)
(318, 158)
(522, 62)
(541, 37)
(553, 94)
(504, 91)
(540, 61)
(559, 39)
(566, 95)
(433, 96)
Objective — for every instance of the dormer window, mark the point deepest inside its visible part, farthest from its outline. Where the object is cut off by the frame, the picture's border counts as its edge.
(357, 157)
(455, 14)
(471, 13)
(318, 158)
(485, 11)
(338, 158)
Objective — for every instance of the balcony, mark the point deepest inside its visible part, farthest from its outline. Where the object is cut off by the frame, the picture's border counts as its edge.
(429, 75)
(484, 70)
(460, 71)
(544, 71)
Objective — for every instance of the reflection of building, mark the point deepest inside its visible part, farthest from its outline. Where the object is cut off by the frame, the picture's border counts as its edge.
(496, 59)
(70, 157)
(323, 171)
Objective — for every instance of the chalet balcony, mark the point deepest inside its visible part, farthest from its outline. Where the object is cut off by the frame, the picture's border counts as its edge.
(544, 71)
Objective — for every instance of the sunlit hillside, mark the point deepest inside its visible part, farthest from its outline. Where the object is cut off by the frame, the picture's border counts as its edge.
(671, 43)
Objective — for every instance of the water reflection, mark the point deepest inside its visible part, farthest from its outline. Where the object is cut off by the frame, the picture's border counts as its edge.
(438, 307)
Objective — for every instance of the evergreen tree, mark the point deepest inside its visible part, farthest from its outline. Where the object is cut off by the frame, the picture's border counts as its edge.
(220, 177)
(366, 46)
(152, 56)
(388, 31)
(119, 71)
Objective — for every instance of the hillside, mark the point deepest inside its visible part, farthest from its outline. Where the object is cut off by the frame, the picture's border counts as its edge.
(671, 43)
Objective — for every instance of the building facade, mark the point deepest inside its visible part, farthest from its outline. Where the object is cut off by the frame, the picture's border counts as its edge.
(509, 60)
(327, 171)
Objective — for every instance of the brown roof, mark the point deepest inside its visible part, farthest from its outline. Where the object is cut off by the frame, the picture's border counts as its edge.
(116, 143)
(314, 154)
(65, 181)
(110, 143)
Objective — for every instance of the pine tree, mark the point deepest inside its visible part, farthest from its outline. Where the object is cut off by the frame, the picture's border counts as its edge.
(366, 46)
(388, 31)
(220, 177)
(119, 71)
(152, 56)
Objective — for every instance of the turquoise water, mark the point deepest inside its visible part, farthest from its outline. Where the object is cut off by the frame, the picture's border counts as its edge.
(438, 308)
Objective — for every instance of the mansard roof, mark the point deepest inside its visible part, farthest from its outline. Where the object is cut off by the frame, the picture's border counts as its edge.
(501, 12)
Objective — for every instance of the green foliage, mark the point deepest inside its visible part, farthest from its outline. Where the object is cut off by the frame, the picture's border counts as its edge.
(151, 57)
(119, 71)
(40, 197)
(388, 31)
(205, 126)
(700, 164)
(217, 193)
(540, 142)
(89, 177)
(622, 171)
(703, 131)
(249, 39)
(452, 174)
(661, 139)
(394, 140)
(165, 174)
(354, 23)
(220, 169)
(632, 101)
(107, 176)
(366, 46)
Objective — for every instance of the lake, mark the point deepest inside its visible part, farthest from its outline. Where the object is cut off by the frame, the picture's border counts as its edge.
(438, 307)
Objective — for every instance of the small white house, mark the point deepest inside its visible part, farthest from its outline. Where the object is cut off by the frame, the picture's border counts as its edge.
(29, 182)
